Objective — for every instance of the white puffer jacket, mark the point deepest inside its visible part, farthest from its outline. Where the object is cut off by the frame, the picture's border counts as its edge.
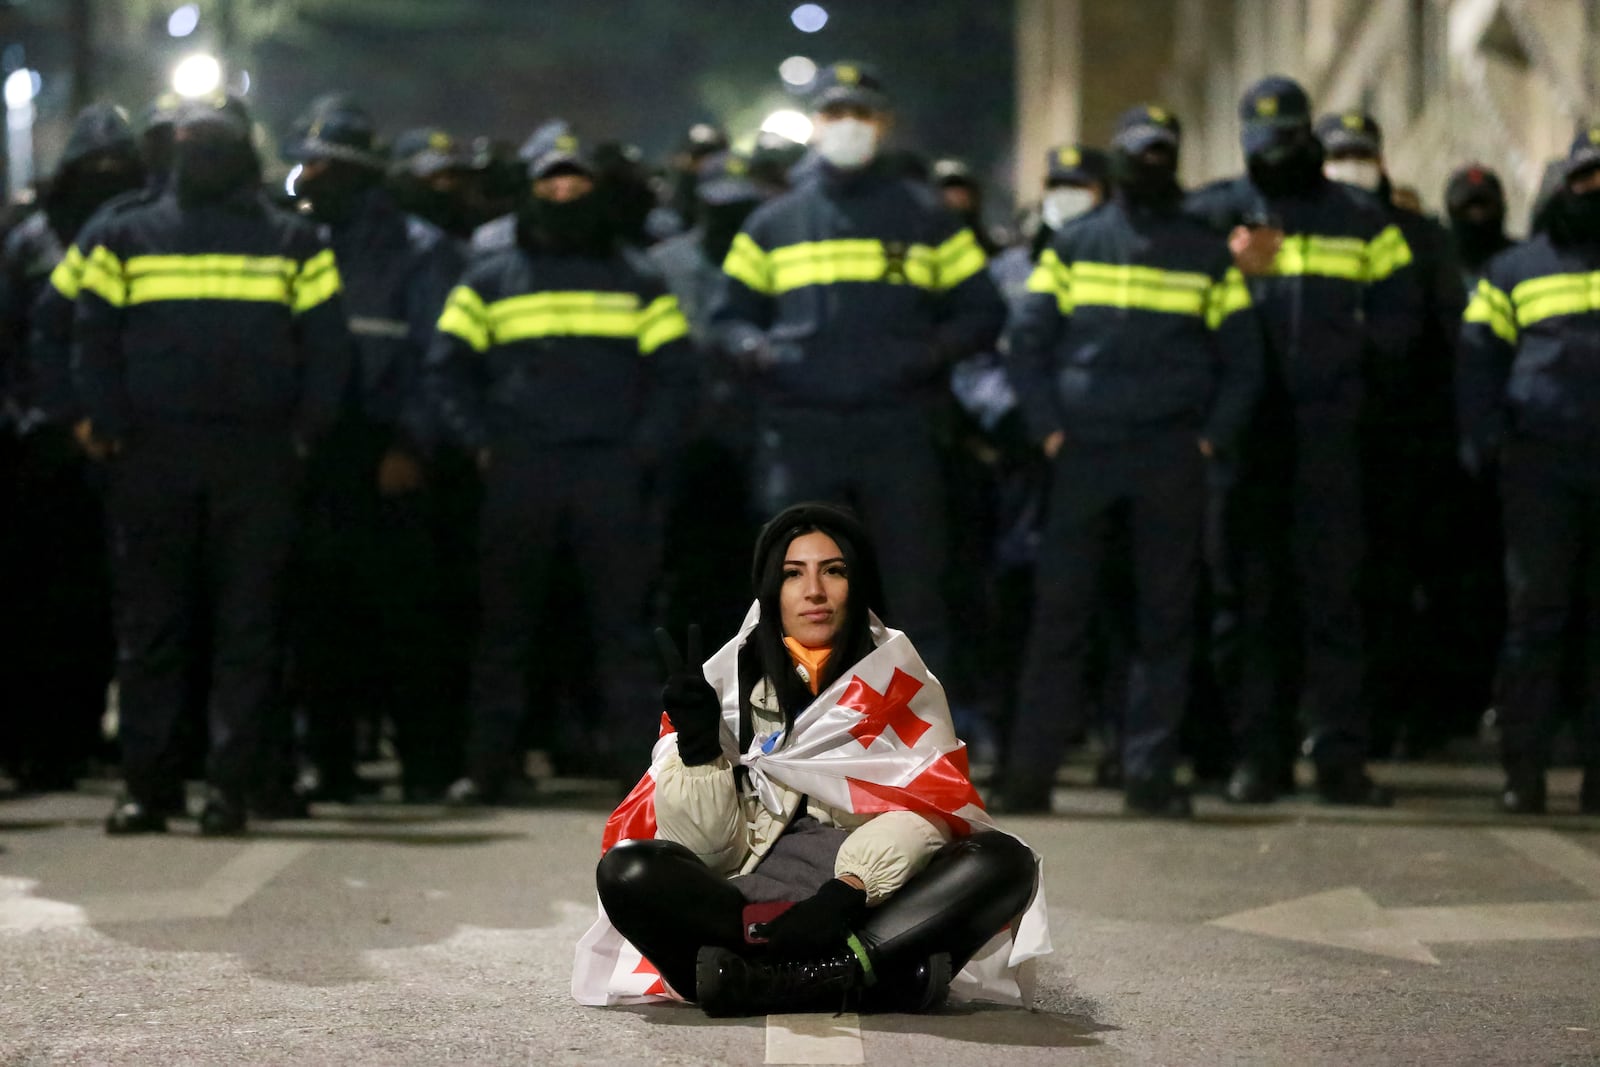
(701, 808)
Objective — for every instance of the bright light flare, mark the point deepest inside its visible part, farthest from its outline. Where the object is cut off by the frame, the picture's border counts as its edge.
(293, 179)
(183, 21)
(197, 75)
(21, 87)
(791, 124)
(797, 71)
(809, 18)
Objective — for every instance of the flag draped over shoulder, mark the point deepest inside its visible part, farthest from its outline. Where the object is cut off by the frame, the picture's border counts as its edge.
(879, 739)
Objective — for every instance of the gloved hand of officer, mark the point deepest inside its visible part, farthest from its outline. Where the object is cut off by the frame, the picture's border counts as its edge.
(689, 701)
(819, 924)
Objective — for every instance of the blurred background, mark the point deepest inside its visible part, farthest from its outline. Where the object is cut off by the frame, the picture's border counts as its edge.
(995, 81)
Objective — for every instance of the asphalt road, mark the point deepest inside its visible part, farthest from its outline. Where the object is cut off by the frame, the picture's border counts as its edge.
(1434, 933)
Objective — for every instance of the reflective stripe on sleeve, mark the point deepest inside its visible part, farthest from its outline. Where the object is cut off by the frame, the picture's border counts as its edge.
(1543, 298)
(67, 278)
(661, 323)
(1051, 277)
(1226, 297)
(1387, 253)
(103, 275)
(1493, 308)
(466, 318)
(958, 259)
(746, 262)
(317, 281)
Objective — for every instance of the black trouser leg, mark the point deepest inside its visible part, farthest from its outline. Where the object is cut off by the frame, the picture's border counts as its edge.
(971, 889)
(1166, 520)
(1544, 526)
(1329, 548)
(251, 495)
(1051, 703)
(669, 905)
(156, 522)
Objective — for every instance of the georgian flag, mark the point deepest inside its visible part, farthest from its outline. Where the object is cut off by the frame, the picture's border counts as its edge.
(879, 739)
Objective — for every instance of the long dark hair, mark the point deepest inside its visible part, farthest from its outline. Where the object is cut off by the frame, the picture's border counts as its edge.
(764, 654)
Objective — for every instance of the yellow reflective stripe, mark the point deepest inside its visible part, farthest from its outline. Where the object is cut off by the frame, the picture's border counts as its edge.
(1387, 253)
(661, 323)
(959, 259)
(1139, 288)
(1493, 308)
(1226, 297)
(747, 263)
(465, 317)
(564, 314)
(103, 276)
(1051, 276)
(1543, 298)
(1328, 257)
(856, 260)
(67, 278)
(317, 282)
(258, 279)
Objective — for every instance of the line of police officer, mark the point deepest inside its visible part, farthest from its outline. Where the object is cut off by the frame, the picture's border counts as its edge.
(1240, 394)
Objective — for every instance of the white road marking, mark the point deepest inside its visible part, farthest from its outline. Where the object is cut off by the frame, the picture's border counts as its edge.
(21, 912)
(234, 883)
(815, 1038)
(1560, 854)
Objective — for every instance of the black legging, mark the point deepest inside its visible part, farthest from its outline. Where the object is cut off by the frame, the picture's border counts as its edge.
(669, 905)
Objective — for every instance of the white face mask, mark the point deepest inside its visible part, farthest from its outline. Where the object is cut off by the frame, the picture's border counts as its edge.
(846, 142)
(1361, 173)
(1065, 203)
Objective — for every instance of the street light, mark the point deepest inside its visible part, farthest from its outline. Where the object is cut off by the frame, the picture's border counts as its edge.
(787, 123)
(21, 86)
(809, 18)
(182, 22)
(197, 75)
(797, 71)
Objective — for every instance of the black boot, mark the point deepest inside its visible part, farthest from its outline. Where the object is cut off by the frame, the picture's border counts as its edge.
(131, 816)
(922, 987)
(1158, 798)
(1589, 795)
(1350, 785)
(728, 984)
(1524, 793)
(222, 816)
(1252, 783)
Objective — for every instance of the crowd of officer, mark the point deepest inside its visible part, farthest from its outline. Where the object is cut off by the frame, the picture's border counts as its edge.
(415, 459)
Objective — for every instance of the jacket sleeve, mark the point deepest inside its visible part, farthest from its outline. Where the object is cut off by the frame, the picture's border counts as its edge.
(698, 807)
(97, 355)
(455, 374)
(1238, 353)
(437, 271)
(743, 307)
(664, 343)
(1393, 303)
(888, 850)
(1483, 364)
(1037, 324)
(971, 311)
(322, 335)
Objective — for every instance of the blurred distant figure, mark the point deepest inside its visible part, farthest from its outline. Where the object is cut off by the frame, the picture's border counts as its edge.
(429, 175)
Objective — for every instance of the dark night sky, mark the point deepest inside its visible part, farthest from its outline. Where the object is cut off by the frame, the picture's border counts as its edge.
(642, 70)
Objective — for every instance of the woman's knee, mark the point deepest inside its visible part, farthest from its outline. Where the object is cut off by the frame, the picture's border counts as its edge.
(632, 869)
(1005, 865)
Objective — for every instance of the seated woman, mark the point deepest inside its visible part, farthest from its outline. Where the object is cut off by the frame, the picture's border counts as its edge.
(815, 838)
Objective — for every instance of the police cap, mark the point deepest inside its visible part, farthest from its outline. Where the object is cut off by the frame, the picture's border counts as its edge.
(1144, 127)
(725, 178)
(99, 129)
(222, 115)
(1270, 108)
(336, 127)
(1585, 152)
(1076, 164)
(951, 171)
(426, 151)
(849, 83)
(560, 153)
(1350, 133)
(1474, 184)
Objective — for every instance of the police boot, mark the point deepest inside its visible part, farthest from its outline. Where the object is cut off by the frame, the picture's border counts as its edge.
(728, 984)
(1157, 798)
(222, 816)
(1589, 796)
(1350, 785)
(1252, 782)
(1524, 793)
(132, 816)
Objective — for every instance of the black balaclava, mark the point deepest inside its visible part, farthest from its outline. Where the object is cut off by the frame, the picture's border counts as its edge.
(1479, 229)
(212, 161)
(1290, 164)
(581, 227)
(79, 190)
(1574, 218)
(720, 224)
(336, 192)
(1148, 178)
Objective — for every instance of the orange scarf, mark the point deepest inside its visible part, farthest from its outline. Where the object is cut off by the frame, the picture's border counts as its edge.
(808, 662)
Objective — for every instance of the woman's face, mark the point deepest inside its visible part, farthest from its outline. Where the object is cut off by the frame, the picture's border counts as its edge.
(815, 590)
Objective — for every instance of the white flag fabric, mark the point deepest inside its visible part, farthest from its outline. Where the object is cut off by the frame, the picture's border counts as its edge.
(879, 739)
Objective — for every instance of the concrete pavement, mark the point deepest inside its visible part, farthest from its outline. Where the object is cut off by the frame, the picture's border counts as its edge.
(1295, 934)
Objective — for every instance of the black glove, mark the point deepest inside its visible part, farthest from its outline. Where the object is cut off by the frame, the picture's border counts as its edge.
(818, 925)
(689, 701)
